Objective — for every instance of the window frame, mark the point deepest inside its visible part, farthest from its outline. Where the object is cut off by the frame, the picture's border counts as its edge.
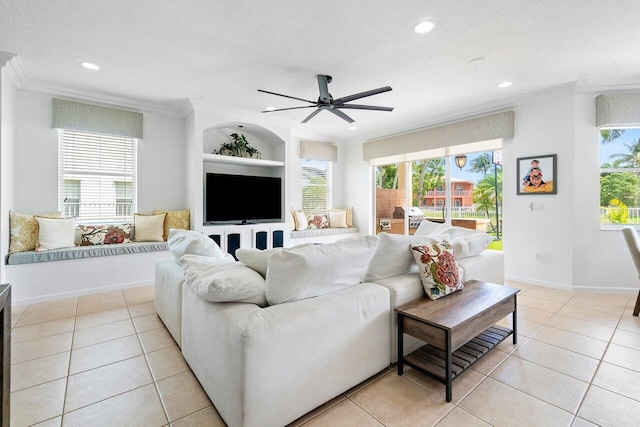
(327, 186)
(101, 172)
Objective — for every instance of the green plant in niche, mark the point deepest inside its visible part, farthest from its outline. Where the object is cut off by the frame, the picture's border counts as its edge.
(238, 147)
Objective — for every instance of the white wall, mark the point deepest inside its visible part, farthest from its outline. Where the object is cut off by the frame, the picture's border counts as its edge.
(7, 159)
(541, 128)
(575, 253)
(161, 166)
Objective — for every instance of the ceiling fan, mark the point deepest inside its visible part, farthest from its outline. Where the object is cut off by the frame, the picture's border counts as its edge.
(326, 102)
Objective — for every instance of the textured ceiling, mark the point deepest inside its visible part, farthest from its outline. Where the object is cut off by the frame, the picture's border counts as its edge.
(221, 51)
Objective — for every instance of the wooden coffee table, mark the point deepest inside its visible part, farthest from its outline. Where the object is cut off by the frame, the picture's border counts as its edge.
(459, 329)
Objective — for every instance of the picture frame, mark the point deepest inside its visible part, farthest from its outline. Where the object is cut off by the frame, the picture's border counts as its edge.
(543, 180)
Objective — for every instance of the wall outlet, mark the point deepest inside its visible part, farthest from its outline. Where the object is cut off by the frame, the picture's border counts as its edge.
(538, 256)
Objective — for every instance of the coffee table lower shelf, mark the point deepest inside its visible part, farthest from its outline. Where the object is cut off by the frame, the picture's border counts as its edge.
(431, 361)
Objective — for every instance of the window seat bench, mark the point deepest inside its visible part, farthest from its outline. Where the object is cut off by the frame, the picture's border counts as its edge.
(82, 270)
(80, 252)
(322, 235)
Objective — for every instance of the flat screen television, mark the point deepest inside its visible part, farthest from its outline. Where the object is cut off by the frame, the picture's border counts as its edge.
(242, 199)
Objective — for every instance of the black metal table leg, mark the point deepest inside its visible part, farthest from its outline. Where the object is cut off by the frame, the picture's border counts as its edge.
(515, 319)
(400, 345)
(447, 364)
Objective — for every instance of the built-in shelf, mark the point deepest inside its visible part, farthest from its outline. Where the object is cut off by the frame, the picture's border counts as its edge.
(231, 160)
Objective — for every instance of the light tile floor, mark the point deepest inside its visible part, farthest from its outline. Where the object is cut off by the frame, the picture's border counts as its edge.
(107, 359)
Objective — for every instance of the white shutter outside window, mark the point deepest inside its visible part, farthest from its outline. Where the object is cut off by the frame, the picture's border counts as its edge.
(97, 177)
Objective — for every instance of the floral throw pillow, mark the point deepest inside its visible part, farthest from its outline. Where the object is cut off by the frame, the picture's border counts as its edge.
(91, 235)
(317, 221)
(439, 271)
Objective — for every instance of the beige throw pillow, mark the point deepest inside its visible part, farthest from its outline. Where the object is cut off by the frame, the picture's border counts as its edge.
(179, 220)
(349, 212)
(55, 233)
(337, 219)
(24, 231)
(149, 228)
(299, 220)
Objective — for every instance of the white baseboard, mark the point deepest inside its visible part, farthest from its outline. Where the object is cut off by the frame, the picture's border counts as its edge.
(78, 293)
(573, 288)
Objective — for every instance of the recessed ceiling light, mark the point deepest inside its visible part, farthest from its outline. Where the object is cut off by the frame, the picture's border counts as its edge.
(423, 27)
(505, 84)
(477, 61)
(353, 127)
(90, 66)
(269, 108)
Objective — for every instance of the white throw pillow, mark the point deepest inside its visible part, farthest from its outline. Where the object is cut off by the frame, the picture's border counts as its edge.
(393, 255)
(55, 233)
(337, 218)
(258, 259)
(427, 227)
(300, 221)
(149, 228)
(318, 269)
(189, 242)
(215, 280)
(470, 245)
(455, 231)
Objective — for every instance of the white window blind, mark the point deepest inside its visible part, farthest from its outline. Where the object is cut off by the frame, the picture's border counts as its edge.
(97, 177)
(316, 195)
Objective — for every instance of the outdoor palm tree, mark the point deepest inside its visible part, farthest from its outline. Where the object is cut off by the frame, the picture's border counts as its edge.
(608, 135)
(484, 195)
(630, 159)
(481, 164)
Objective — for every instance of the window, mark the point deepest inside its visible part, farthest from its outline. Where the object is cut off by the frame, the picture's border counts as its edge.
(316, 194)
(97, 176)
(619, 176)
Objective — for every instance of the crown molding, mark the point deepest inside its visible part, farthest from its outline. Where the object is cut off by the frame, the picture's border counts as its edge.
(608, 86)
(13, 68)
(100, 98)
(238, 114)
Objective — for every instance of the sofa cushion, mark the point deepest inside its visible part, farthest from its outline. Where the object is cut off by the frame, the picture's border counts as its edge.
(217, 280)
(438, 269)
(188, 242)
(258, 259)
(470, 245)
(393, 255)
(318, 269)
(427, 227)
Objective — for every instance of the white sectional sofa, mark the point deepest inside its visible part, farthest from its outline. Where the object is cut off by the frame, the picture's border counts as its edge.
(269, 362)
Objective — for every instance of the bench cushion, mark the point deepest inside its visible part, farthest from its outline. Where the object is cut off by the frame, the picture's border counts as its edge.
(79, 252)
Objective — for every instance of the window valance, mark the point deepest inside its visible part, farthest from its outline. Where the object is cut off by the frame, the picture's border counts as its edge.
(312, 150)
(78, 116)
(618, 110)
(475, 131)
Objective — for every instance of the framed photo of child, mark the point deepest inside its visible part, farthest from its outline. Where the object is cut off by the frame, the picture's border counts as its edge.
(537, 175)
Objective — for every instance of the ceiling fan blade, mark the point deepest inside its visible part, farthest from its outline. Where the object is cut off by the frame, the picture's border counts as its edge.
(323, 86)
(364, 107)
(291, 108)
(312, 115)
(287, 96)
(362, 95)
(340, 114)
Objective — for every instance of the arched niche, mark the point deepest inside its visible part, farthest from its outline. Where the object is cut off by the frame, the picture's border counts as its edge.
(270, 145)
